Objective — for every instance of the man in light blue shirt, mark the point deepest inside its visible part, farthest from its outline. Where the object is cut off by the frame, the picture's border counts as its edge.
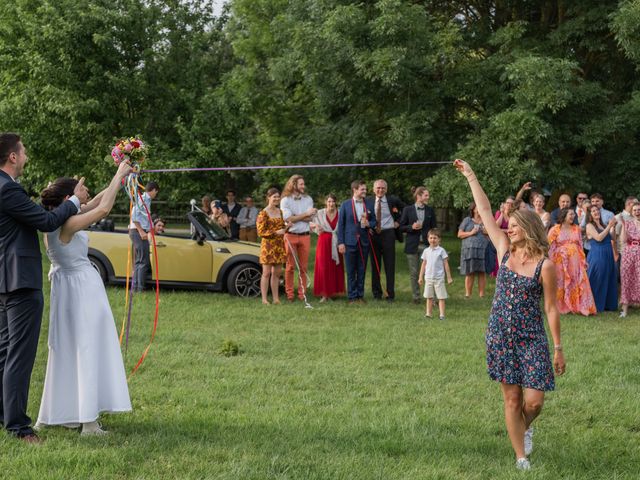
(605, 215)
(138, 232)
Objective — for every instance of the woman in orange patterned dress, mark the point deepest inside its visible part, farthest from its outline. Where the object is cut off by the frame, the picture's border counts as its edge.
(565, 250)
(271, 229)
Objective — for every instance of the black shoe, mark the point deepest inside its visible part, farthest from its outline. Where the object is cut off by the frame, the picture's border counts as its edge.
(390, 299)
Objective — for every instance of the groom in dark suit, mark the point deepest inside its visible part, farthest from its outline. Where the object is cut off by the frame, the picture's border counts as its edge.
(354, 223)
(21, 299)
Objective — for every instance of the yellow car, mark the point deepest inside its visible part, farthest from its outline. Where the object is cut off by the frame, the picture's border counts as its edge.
(206, 259)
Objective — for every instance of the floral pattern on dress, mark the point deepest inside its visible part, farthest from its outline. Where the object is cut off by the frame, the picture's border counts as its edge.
(272, 251)
(517, 345)
(630, 266)
(565, 251)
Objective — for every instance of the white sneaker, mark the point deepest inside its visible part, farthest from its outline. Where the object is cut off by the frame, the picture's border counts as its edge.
(93, 428)
(528, 441)
(623, 314)
(523, 464)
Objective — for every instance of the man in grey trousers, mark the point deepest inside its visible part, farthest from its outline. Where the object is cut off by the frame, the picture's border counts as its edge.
(139, 233)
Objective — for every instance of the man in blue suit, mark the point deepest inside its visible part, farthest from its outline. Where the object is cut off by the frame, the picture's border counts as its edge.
(21, 300)
(354, 223)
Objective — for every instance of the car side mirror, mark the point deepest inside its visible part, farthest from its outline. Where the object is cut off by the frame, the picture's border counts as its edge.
(200, 238)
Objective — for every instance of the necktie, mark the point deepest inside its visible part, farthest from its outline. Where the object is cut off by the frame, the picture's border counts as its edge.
(248, 213)
(378, 216)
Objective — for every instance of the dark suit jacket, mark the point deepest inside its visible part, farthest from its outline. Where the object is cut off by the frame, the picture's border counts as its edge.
(20, 219)
(349, 230)
(395, 206)
(409, 217)
(234, 212)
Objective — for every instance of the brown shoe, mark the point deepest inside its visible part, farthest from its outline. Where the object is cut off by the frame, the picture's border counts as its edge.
(32, 438)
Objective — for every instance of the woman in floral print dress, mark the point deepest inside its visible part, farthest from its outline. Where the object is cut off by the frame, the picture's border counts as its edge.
(565, 251)
(630, 264)
(517, 348)
(271, 229)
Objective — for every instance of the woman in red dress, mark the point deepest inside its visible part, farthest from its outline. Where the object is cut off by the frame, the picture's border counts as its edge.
(328, 274)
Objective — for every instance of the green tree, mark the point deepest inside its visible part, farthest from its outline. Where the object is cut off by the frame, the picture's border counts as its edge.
(77, 74)
(536, 90)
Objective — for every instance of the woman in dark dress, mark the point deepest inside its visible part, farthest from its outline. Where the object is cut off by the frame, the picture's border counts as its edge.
(517, 347)
(474, 238)
(603, 276)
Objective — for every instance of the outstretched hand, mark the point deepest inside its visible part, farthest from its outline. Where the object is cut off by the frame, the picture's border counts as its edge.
(81, 192)
(124, 169)
(463, 167)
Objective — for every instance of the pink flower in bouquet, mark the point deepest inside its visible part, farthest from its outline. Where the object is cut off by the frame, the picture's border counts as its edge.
(131, 148)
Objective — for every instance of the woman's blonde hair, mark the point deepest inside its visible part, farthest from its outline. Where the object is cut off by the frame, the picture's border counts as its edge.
(535, 235)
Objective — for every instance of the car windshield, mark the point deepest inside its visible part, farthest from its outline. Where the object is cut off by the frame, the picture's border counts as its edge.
(202, 223)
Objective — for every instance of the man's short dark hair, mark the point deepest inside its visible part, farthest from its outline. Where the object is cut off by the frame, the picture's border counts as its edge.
(230, 191)
(151, 186)
(9, 143)
(356, 184)
(596, 195)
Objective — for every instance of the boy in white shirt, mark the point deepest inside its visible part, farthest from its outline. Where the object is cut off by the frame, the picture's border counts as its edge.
(435, 264)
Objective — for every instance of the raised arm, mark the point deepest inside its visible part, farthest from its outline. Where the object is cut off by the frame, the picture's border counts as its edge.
(83, 220)
(498, 238)
(93, 203)
(525, 187)
(592, 233)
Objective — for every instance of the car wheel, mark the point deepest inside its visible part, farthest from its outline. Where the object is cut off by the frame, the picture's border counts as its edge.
(100, 268)
(244, 280)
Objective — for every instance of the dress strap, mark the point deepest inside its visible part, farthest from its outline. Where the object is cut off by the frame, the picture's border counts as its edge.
(505, 257)
(539, 269)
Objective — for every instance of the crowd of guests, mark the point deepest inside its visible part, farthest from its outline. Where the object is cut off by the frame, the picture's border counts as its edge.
(361, 231)
(594, 251)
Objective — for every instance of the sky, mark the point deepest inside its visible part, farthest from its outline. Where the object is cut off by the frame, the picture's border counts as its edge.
(217, 6)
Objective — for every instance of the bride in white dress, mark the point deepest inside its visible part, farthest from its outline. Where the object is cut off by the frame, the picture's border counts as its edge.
(85, 373)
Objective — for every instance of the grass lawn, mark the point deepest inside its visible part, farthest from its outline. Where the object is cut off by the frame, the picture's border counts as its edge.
(343, 392)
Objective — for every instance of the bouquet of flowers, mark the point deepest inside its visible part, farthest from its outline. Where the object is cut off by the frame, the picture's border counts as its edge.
(132, 149)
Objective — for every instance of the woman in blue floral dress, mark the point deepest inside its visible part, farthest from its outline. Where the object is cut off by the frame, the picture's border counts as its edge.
(517, 347)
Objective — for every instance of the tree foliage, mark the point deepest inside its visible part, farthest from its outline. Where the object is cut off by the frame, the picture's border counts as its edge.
(523, 90)
(78, 74)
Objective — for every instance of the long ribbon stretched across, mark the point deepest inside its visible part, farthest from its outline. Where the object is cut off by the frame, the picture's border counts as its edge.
(269, 167)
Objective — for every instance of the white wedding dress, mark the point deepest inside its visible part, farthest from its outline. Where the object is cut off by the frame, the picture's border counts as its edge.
(85, 372)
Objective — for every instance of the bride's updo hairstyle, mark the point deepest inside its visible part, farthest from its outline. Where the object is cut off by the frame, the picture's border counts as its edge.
(52, 196)
(535, 236)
